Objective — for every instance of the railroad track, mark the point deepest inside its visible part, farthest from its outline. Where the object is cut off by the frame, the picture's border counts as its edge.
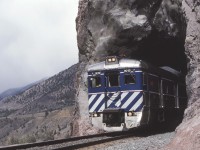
(73, 142)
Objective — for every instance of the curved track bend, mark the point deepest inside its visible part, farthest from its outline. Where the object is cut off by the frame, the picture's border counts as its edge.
(73, 142)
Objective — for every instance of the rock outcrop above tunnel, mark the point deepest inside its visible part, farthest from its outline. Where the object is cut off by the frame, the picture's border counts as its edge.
(162, 32)
(142, 29)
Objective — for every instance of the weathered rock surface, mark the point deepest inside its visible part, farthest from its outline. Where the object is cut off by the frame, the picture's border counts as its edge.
(162, 32)
(188, 133)
(142, 29)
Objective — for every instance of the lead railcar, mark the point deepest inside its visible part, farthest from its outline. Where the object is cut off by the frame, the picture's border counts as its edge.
(127, 93)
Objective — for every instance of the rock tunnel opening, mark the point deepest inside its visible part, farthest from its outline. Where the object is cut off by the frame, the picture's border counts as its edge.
(161, 50)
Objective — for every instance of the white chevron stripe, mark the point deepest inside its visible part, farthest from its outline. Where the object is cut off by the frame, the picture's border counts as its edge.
(109, 102)
(130, 99)
(124, 95)
(102, 107)
(92, 98)
(118, 103)
(97, 103)
(114, 96)
(137, 104)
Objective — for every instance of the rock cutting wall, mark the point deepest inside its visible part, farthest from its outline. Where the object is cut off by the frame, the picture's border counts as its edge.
(162, 32)
(188, 133)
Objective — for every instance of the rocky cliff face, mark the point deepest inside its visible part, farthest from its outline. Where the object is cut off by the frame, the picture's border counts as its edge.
(153, 30)
(162, 32)
(188, 133)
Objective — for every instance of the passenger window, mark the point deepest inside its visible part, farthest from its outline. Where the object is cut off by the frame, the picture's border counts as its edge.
(146, 99)
(129, 79)
(153, 83)
(113, 79)
(95, 82)
(144, 78)
(154, 100)
(169, 101)
(168, 87)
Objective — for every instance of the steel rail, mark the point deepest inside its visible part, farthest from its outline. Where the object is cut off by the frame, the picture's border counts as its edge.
(92, 143)
(53, 142)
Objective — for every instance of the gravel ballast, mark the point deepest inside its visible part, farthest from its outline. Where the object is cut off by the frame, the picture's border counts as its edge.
(153, 142)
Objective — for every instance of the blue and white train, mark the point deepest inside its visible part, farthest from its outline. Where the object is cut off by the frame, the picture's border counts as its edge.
(128, 93)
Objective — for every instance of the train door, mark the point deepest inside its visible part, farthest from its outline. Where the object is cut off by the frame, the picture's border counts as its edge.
(132, 96)
(112, 89)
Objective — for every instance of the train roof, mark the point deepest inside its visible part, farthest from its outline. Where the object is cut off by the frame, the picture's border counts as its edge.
(122, 64)
(133, 63)
(173, 71)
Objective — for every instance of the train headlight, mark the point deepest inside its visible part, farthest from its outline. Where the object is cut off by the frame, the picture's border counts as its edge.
(97, 73)
(130, 113)
(113, 59)
(96, 115)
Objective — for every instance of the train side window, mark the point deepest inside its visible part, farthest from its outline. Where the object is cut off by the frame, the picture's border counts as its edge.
(113, 79)
(146, 99)
(153, 83)
(154, 100)
(168, 87)
(95, 82)
(129, 79)
(144, 79)
(169, 101)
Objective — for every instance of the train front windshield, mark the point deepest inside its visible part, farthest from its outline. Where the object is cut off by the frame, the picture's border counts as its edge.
(114, 80)
(95, 82)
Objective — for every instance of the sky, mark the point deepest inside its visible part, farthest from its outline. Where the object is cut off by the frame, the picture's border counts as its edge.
(37, 40)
